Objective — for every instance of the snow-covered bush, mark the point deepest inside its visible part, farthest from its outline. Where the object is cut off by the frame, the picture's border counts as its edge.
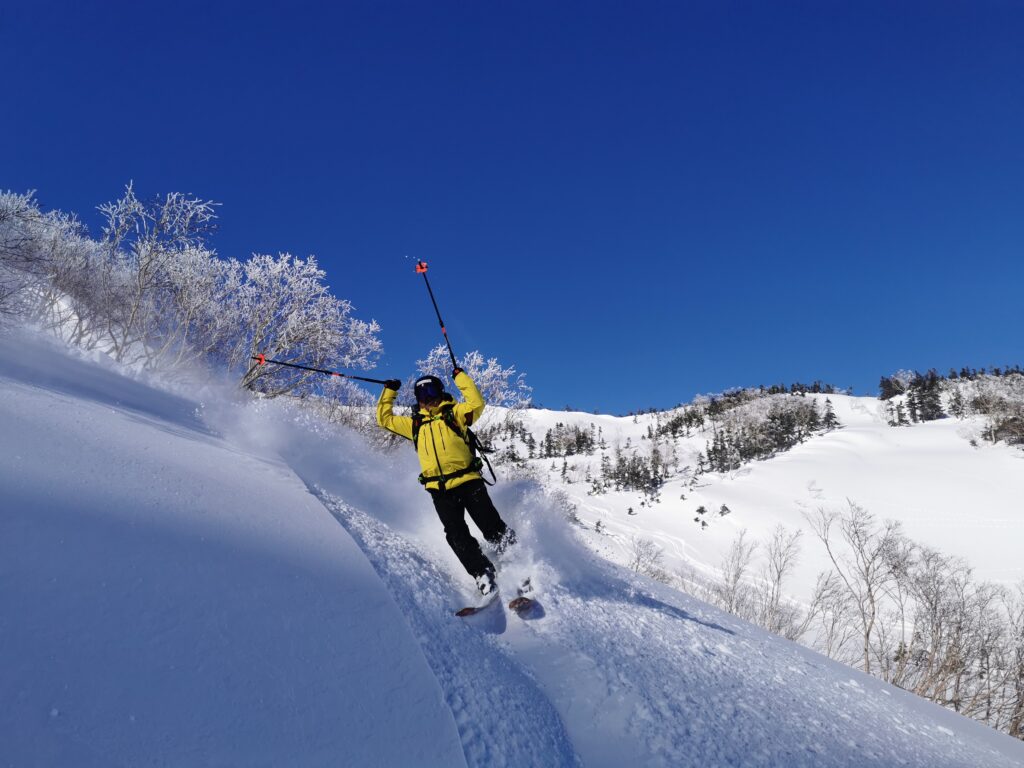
(1001, 399)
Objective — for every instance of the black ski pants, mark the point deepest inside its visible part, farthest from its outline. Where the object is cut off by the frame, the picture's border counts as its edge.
(452, 506)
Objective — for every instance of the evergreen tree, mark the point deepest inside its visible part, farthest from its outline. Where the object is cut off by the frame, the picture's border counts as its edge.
(901, 416)
(830, 421)
(957, 407)
(912, 406)
(889, 387)
(929, 398)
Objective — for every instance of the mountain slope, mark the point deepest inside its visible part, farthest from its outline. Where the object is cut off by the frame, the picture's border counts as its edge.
(212, 583)
(948, 494)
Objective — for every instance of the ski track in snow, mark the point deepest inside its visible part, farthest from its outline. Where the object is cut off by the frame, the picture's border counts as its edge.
(503, 719)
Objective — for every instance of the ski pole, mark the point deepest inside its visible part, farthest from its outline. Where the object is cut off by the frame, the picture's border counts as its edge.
(262, 360)
(421, 269)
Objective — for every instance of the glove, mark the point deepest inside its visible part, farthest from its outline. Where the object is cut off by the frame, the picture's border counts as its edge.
(394, 384)
(456, 371)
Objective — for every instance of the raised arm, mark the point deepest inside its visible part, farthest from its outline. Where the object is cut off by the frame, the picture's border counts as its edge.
(386, 418)
(473, 402)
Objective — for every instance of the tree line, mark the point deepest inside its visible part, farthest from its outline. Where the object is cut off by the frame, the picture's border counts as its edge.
(151, 292)
(752, 424)
(765, 432)
(996, 394)
(745, 425)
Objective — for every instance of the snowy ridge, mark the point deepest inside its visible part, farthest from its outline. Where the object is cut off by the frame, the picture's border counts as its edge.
(175, 588)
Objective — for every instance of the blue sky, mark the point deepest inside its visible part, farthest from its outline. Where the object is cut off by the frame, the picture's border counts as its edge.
(631, 202)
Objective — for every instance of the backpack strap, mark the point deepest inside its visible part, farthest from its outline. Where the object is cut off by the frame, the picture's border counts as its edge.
(478, 449)
(417, 424)
(446, 415)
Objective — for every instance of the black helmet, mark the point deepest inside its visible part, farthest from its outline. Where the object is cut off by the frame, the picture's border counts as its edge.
(428, 388)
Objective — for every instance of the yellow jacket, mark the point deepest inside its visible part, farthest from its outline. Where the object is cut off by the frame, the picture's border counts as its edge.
(441, 451)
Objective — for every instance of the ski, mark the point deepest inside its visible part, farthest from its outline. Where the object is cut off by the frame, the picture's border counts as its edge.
(521, 605)
(472, 610)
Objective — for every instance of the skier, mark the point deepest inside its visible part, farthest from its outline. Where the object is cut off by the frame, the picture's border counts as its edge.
(451, 471)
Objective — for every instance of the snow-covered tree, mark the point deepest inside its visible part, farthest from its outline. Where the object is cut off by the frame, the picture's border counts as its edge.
(733, 593)
(830, 421)
(864, 567)
(498, 385)
(142, 240)
(646, 559)
(773, 612)
(18, 215)
(198, 314)
(897, 384)
(151, 291)
(286, 311)
(1001, 399)
(47, 265)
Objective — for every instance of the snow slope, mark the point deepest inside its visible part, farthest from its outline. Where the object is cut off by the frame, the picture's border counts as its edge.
(167, 599)
(210, 583)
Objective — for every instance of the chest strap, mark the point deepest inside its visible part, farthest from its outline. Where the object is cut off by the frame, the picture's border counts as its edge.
(475, 465)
